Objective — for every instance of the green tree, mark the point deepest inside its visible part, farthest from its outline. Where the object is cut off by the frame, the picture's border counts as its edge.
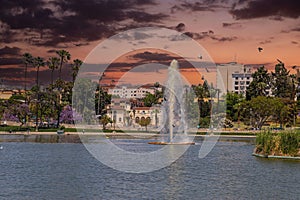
(285, 111)
(84, 99)
(102, 98)
(105, 120)
(202, 92)
(233, 102)
(145, 122)
(259, 109)
(260, 84)
(282, 86)
(149, 100)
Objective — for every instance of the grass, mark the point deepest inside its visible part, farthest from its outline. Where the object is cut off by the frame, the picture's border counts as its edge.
(284, 143)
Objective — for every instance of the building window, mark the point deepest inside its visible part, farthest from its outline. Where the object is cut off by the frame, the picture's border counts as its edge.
(137, 120)
(247, 82)
(236, 78)
(248, 78)
(236, 83)
(242, 82)
(120, 119)
(236, 88)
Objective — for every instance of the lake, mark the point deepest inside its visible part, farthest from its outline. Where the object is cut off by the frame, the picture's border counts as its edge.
(68, 171)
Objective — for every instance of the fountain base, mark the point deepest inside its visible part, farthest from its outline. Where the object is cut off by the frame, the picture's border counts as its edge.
(172, 143)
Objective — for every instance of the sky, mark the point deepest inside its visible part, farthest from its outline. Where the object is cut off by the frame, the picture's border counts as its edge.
(229, 30)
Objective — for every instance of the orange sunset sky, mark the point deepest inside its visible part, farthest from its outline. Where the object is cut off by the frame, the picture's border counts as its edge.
(228, 30)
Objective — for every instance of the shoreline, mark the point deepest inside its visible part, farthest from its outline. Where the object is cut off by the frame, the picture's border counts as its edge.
(276, 157)
(75, 137)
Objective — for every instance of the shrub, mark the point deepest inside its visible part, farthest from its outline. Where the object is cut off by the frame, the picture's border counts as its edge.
(289, 143)
(283, 143)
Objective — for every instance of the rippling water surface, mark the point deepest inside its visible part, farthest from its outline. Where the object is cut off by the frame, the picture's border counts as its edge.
(68, 171)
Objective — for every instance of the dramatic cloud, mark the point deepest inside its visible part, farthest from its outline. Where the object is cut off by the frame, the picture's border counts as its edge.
(224, 39)
(52, 22)
(294, 42)
(265, 42)
(195, 6)
(199, 36)
(296, 29)
(267, 8)
(210, 34)
(150, 57)
(232, 25)
(10, 51)
(10, 61)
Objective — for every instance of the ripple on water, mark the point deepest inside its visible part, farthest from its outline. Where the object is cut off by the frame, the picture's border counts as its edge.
(68, 171)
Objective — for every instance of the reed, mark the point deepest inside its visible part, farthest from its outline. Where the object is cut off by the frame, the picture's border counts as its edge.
(284, 143)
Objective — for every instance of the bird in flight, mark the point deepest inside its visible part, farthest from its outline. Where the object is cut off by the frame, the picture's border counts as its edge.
(260, 49)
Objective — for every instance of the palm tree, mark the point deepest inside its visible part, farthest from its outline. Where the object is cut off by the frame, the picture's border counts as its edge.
(27, 60)
(75, 67)
(64, 56)
(38, 62)
(53, 64)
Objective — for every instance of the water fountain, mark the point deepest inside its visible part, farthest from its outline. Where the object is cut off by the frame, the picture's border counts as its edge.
(173, 110)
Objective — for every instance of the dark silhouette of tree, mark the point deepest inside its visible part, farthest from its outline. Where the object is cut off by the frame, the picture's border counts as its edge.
(75, 68)
(38, 62)
(64, 57)
(53, 64)
(27, 60)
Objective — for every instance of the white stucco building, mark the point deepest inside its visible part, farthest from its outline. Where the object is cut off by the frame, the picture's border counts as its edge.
(233, 77)
(122, 112)
(131, 92)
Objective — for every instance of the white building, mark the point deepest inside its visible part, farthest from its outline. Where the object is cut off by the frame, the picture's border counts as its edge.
(131, 92)
(119, 111)
(123, 114)
(233, 77)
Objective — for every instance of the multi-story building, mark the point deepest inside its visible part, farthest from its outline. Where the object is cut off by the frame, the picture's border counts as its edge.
(131, 92)
(233, 77)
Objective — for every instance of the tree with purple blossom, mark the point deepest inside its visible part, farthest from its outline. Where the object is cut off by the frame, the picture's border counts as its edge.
(68, 115)
(17, 113)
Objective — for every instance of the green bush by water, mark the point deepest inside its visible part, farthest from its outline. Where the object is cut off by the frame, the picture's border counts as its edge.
(285, 143)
